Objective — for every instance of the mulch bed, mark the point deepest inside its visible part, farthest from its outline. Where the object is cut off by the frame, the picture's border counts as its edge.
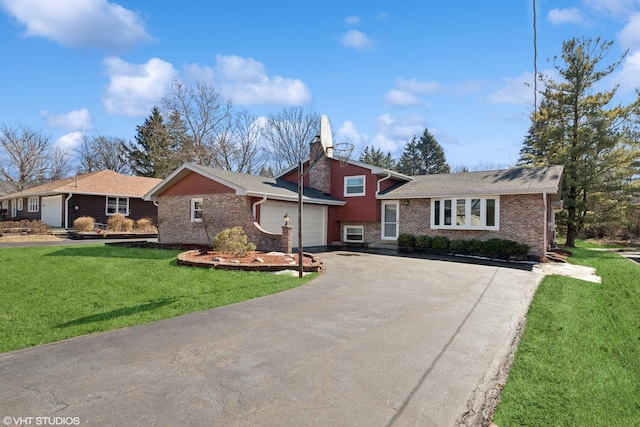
(252, 261)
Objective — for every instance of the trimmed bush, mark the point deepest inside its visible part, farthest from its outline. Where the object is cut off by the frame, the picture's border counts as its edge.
(440, 243)
(423, 243)
(120, 223)
(493, 246)
(232, 240)
(406, 240)
(145, 225)
(459, 246)
(474, 246)
(84, 223)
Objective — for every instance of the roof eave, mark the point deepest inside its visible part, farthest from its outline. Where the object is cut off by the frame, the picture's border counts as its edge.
(550, 190)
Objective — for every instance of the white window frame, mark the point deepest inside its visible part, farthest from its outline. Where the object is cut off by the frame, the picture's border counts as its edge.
(118, 200)
(5, 205)
(345, 234)
(467, 203)
(33, 204)
(364, 185)
(194, 209)
(395, 203)
(20, 204)
(14, 208)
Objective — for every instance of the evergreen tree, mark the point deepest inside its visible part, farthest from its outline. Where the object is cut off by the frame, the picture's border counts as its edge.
(423, 156)
(375, 156)
(153, 154)
(579, 128)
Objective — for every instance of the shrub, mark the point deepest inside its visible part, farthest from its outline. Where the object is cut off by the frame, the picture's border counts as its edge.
(119, 222)
(440, 243)
(84, 223)
(145, 225)
(474, 246)
(423, 243)
(232, 240)
(493, 246)
(406, 240)
(511, 248)
(459, 246)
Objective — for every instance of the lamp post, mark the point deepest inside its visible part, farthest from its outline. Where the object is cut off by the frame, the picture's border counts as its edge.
(286, 218)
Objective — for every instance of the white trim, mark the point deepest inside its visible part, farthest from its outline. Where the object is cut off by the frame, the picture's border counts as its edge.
(20, 205)
(344, 233)
(14, 208)
(33, 206)
(193, 209)
(118, 198)
(383, 223)
(364, 186)
(467, 213)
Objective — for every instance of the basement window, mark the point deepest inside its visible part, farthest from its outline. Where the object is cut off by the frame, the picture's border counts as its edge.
(354, 233)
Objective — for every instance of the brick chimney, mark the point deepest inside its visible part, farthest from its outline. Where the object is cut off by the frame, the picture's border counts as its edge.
(320, 173)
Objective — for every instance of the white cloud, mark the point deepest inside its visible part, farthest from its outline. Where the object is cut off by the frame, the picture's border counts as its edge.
(630, 35)
(518, 90)
(70, 140)
(73, 120)
(357, 40)
(134, 89)
(612, 7)
(419, 86)
(245, 81)
(569, 15)
(392, 133)
(197, 72)
(352, 20)
(348, 133)
(400, 98)
(79, 23)
(630, 74)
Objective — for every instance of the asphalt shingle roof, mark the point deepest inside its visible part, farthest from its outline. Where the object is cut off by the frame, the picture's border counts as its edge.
(508, 181)
(99, 183)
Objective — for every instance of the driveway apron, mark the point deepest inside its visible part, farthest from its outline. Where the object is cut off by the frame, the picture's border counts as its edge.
(376, 340)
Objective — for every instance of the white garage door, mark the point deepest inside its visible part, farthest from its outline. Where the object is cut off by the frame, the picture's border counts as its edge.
(51, 211)
(314, 221)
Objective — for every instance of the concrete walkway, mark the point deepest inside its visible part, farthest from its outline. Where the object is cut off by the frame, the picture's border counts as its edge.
(375, 341)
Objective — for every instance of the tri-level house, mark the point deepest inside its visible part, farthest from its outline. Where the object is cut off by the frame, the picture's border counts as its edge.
(356, 203)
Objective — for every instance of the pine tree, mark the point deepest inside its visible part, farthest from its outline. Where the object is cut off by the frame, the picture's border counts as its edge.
(153, 154)
(423, 156)
(375, 157)
(579, 128)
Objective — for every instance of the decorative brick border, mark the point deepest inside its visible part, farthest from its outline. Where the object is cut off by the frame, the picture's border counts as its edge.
(315, 267)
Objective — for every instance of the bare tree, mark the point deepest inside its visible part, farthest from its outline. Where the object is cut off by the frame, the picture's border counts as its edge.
(23, 156)
(288, 135)
(200, 111)
(101, 152)
(237, 144)
(59, 163)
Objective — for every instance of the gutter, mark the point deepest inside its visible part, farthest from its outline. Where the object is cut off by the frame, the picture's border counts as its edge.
(546, 223)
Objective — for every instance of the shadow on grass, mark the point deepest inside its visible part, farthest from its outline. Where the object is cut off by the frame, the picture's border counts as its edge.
(114, 252)
(120, 312)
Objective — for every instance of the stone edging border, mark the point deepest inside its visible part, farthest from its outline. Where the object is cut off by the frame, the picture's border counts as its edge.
(315, 267)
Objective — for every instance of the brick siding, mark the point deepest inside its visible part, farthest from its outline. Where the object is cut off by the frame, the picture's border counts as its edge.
(521, 220)
(220, 211)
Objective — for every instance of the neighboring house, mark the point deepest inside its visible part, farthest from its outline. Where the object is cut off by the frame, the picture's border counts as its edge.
(96, 194)
(357, 203)
(5, 188)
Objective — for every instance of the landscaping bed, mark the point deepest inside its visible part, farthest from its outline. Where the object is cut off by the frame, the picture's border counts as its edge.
(251, 261)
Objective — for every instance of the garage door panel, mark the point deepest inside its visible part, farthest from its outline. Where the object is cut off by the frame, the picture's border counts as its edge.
(314, 232)
(51, 211)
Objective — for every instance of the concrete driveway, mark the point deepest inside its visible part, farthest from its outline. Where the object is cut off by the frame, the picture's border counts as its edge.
(376, 340)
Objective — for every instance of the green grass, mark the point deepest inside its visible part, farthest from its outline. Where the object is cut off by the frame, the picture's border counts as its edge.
(578, 363)
(53, 293)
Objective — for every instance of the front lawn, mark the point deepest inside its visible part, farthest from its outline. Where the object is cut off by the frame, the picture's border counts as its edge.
(53, 293)
(578, 363)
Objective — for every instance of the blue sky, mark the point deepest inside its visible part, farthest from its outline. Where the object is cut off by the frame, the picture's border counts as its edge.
(381, 72)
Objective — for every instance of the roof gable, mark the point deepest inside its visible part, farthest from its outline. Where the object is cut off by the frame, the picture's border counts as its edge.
(242, 184)
(374, 170)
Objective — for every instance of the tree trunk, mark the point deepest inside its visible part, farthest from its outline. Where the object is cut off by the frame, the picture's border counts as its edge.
(571, 227)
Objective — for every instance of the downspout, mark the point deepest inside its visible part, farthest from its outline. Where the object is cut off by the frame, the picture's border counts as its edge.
(66, 210)
(380, 180)
(255, 205)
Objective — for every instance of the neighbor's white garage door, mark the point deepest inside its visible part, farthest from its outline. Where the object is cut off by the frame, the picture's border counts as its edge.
(51, 211)
(314, 221)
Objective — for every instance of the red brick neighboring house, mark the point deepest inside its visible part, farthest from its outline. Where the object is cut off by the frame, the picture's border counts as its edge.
(361, 204)
(96, 194)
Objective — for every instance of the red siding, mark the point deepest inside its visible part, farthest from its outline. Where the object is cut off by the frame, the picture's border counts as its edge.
(195, 183)
(333, 224)
(358, 208)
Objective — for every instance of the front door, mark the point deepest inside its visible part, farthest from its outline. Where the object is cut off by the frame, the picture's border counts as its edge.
(390, 212)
